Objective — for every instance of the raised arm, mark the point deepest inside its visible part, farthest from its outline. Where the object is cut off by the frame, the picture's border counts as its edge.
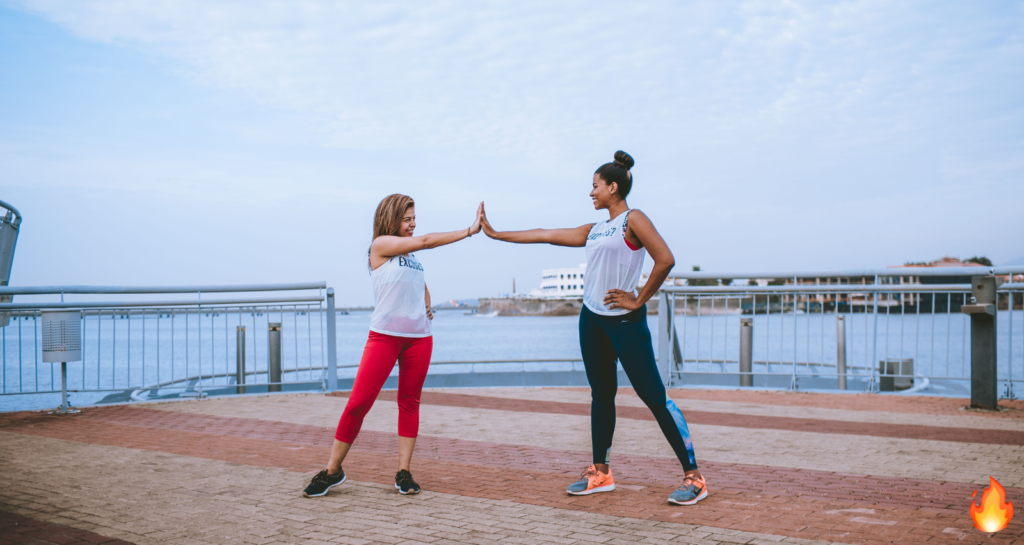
(576, 237)
(389, 246)
(641, 227)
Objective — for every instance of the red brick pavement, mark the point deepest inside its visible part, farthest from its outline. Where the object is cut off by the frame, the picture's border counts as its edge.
(23, 530)
(902, 431)
(797, 503)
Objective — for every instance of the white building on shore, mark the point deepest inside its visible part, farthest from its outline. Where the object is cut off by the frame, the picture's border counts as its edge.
(565, 282)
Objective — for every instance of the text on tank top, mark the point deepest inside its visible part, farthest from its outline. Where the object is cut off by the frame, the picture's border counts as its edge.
(399, 298)
(611, 264)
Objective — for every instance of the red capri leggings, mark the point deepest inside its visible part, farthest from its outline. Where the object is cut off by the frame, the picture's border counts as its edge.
(413, 355)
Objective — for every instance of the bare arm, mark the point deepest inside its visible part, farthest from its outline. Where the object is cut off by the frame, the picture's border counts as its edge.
(640, 226)
(576, 237)
(385, 247)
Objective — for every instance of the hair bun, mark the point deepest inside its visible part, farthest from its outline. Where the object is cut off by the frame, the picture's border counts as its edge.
(624, 159)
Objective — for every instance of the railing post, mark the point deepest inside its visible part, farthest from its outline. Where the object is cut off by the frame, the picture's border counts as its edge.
(664, 337)
(274, 356)
(332, 343)
(982, 310)
(872, 385)
(746, 351)
(841, 351)
(64, 387)
(240, 359)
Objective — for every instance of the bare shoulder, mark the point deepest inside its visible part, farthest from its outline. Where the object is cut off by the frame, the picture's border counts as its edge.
(383, 246)
(382, 240)
(636, 215)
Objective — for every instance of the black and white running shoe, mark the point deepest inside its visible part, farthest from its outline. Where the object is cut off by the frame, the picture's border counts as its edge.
(405, 484)
(323, 482)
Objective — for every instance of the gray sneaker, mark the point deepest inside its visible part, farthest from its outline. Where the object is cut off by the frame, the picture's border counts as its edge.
(690, 492)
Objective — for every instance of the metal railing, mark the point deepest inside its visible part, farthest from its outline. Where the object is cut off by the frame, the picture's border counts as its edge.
(158, 346)
(800, 335)
(866, 332)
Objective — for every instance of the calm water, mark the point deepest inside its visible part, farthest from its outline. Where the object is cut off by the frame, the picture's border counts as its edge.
(122, 353)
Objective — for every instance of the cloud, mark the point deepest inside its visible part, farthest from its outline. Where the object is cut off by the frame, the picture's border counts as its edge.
(528, 76)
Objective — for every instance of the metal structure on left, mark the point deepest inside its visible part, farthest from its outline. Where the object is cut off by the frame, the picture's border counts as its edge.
(9, 227)
(62, 342)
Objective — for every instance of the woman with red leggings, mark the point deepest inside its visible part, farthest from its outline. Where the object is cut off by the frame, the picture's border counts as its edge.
(399, 330)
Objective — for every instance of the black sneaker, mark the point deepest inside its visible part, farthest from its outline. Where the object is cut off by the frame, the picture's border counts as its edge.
(405, 484)
(323, 482)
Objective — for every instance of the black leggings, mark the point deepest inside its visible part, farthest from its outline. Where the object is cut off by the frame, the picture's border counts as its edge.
(603, 339)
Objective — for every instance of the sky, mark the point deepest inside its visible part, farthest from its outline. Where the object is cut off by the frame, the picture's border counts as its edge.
(205, 142)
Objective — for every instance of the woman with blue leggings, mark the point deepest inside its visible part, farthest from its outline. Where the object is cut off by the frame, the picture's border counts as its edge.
(613, 323)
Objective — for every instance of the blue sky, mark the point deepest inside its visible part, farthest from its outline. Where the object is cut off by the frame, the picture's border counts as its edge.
(205, 142)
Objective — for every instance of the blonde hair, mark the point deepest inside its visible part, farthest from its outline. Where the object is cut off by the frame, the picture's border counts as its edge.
(388, 219)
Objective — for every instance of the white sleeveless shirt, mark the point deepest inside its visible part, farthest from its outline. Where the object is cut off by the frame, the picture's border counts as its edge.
(611, 265)
(399, 298)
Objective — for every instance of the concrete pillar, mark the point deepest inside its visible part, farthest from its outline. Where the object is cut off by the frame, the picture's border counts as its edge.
(274, 356)
(332, 343)
(240, 359)
(982, 310)
(746, 351)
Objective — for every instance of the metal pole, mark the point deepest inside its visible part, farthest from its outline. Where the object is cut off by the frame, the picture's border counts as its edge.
(792, 382)
(332, 343)
(664, 336)
(63, 387)
(874, 337)
(274, 356)
(240, 358)
(841, 351)
(746, 351)
(982, 310)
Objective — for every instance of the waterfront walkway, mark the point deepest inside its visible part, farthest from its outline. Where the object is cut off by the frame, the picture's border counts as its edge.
(783, 468)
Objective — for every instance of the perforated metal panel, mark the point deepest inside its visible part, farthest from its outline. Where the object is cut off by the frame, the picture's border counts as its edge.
(62, 336)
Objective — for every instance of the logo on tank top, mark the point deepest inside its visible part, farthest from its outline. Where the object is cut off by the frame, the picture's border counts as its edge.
(409, 262)
(607, 233)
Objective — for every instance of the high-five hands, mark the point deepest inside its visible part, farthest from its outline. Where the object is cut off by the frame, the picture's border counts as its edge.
(488, 230)
(475, 228)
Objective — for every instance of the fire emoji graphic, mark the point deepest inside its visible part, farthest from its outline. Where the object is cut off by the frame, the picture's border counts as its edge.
(995, 512)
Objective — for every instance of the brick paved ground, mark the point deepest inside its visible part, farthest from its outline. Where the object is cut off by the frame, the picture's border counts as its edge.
(791, 468)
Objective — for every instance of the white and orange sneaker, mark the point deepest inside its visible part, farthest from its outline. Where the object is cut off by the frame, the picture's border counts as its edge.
(592, 481)
(690, 492)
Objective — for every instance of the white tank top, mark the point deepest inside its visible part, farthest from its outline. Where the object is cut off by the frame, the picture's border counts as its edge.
(611, 265)
(399, 298)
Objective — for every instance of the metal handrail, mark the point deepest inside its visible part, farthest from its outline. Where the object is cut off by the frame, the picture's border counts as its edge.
(13, 210)
(57, 290)
(884, 272)
(208, 303)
